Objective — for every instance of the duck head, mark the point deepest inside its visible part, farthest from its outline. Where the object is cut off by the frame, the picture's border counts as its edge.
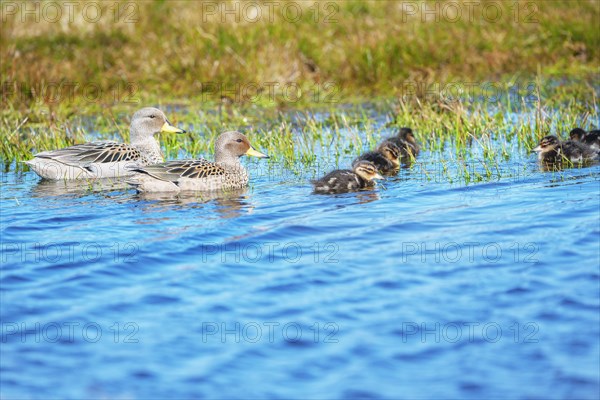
(390, 151)
(548, 143)
(366, 170)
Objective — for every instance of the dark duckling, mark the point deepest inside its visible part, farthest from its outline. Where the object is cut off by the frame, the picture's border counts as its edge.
(591, 138)
(405, 140)
(385, 157)
(552, 152)
(361, 177)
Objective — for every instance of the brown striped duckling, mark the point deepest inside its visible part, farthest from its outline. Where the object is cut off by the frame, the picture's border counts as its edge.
(591, 138)
(552, 152)
(362, 176)
(385, 157)
(405, 140)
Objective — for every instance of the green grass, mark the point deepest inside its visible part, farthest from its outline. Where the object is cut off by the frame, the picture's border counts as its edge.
(177, 49)
(66, 84)
(478, 129)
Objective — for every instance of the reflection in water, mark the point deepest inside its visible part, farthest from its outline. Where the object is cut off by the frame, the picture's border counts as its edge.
(231, 206)
(79, 187)
(364, 196)
(367, 197)
(228, 204)
(204, 212)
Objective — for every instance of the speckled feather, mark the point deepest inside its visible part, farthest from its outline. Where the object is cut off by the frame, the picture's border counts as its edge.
(591, 138)
(340, 181)
(97, 152)
(578, 152)
(408, 148)
(383, 164)
(175, 170)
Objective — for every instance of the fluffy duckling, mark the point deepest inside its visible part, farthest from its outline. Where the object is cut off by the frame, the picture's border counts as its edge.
(226, 173)
(361, 177)
(591, 138)
(385, 157)
(107, 159)
(551, 152)
(405, 140)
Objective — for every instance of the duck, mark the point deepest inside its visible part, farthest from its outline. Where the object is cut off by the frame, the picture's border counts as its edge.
(405, 140)
(225, 173)
(107, 159)
(361, 176)
(385, 157)
(552, 152)
(591, 138)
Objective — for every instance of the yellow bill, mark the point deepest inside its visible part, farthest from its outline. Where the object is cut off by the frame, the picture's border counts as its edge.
(255, 153)
(168, 128)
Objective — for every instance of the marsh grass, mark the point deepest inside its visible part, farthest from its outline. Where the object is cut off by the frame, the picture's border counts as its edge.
(170, 56)
(465, 140)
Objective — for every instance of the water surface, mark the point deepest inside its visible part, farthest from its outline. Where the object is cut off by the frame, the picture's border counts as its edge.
(427, 287)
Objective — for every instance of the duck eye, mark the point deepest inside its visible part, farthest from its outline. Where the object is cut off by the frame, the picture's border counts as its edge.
(239, 140)
(153, 116)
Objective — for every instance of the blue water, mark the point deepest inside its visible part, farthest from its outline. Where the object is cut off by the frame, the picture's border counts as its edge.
(427, 287)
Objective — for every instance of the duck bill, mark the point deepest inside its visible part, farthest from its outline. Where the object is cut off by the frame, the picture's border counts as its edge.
(377, 176)
(538, 149)
(255, 153)
(168, 128)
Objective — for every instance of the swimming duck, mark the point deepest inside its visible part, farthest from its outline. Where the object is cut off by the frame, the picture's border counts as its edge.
(226, 172)
(405, 140)
(553, 152)
(107, 159)
(591, 138)
(385, 157)
(343, 180)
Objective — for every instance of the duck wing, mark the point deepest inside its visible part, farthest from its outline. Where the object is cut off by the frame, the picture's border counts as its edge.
(82, 155)
(577, 151)
(172, 171)
(376, 158)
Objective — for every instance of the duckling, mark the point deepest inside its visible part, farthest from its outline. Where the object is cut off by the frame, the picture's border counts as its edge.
(591, 138)
(385, 157)
(578, 152)
(226, 173)
(405, 140)
(551, 152)
(577, 134)
(107, 159)
(343, 180)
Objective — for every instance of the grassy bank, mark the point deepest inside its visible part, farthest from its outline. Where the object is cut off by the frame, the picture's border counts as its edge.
(143, 51)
